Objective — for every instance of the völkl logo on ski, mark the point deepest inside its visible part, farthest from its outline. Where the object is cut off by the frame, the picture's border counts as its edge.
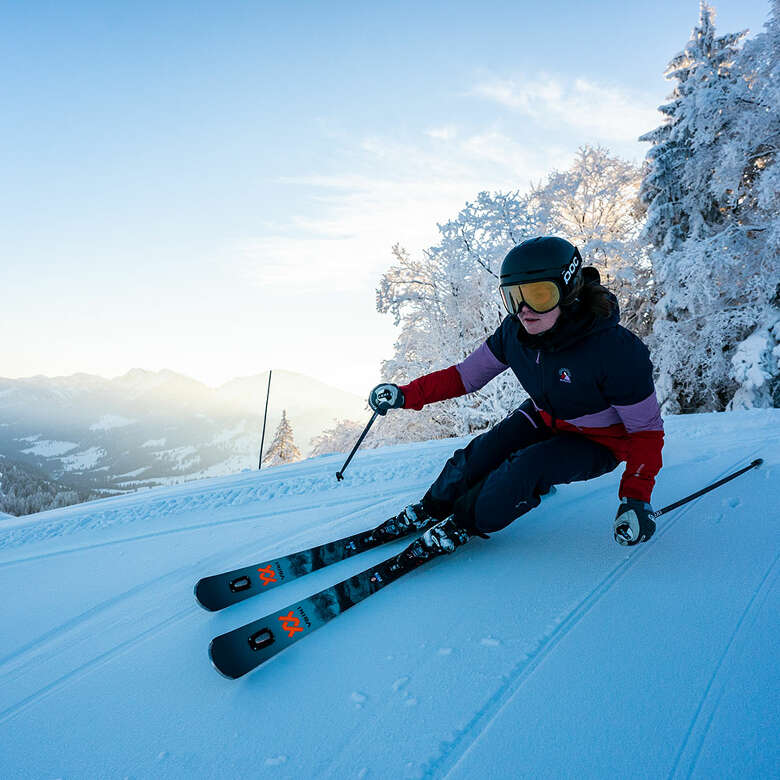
(290, 623)
(267, 574)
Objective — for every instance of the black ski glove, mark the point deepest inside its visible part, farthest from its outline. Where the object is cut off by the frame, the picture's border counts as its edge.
(385, 397)
(633, 522)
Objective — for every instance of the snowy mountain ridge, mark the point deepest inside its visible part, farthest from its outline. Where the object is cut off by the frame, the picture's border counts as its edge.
(150, 428)
(547, 650)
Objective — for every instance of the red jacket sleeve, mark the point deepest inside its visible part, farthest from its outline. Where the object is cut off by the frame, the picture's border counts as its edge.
(628, 387)
(438, 386)
(642, 465)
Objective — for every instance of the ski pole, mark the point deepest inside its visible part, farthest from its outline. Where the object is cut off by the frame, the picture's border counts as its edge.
(340, 474)
(265, 417)
(757, 462)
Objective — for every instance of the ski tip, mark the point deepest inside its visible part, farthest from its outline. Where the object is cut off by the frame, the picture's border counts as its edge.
(757, 462)
(214, 663)
(197, 598)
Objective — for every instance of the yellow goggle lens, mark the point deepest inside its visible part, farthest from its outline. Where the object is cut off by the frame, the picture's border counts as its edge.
(540, 296)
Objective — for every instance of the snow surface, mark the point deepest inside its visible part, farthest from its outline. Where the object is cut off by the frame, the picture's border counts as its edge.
(110, 421)
(50, 448)
(81, 461)
(547, 650)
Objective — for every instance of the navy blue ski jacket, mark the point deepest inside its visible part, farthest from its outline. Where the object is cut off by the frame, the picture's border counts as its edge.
(586, 375)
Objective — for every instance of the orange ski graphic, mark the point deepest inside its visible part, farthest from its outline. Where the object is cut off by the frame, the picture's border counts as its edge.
(267, 574)
(290, 623)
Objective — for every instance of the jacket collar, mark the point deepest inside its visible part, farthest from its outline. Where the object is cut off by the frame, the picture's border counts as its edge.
(572, 326)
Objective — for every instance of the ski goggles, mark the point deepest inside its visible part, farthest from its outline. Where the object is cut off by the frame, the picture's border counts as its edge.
(540, 297)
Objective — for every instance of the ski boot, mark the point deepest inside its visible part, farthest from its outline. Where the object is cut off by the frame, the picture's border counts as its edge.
(442, 539)
(412, 518)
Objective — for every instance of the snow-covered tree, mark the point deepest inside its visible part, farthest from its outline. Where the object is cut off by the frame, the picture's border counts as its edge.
(282, 449)
(714, 277)
(675, 189)
(750, 175)
(23, 492)
(446, 303)
(342, 437)
(595, 205)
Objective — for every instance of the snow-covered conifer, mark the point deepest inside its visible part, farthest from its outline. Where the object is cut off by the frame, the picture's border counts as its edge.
(713, 279)
(750, 174)
(682, 147)
(282, 449)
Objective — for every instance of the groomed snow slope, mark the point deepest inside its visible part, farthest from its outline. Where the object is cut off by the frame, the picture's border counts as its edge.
(547, 650)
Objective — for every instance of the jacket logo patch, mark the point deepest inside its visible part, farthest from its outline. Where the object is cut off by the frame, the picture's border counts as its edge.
(564, 375)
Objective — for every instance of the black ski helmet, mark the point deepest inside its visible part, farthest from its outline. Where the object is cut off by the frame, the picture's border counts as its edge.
(543, 257)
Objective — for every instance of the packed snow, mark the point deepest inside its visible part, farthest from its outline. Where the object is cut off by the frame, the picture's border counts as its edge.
(545, 651)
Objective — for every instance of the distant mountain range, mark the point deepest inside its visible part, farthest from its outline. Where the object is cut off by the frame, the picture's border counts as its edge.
(150, 428)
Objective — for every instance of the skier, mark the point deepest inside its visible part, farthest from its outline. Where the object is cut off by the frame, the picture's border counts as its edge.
(592, 404)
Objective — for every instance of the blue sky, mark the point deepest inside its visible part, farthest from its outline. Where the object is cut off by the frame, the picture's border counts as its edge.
(215, 187)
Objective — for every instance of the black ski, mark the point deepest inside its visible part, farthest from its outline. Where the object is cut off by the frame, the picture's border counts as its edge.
(221, 590)
(243, 649)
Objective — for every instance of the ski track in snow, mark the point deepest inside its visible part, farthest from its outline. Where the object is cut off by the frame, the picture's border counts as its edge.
(690, 749)
(452, 750)
(384, 496)
(129, 510)
(81, 670)
(451, 753)
(441, 765)
(59, 654)
(29, 657)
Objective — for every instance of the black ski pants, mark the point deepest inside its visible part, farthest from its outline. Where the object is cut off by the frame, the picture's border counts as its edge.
(502, 473)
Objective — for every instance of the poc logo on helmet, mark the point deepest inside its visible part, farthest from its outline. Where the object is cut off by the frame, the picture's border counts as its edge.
(571, 270)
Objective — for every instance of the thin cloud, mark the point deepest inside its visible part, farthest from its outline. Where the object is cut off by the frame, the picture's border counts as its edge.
(608, 112)
(447, 133)
(402, 191)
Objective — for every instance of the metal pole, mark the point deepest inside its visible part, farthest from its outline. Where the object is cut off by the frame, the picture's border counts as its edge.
(340, 474)
(265, 416)
(757, 462)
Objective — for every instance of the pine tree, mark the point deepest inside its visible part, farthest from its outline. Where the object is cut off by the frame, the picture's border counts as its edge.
(710, 290)
(282, 449)
(751, 177)
(22, 492)
(675, 189)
